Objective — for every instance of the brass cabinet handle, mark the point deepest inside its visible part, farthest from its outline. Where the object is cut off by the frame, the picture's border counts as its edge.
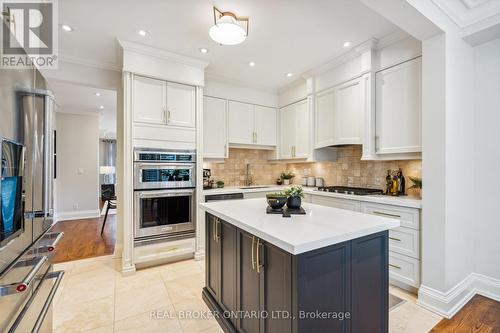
(395, 239)
(394, 266)
(253, 258)
(165, 117)
(168, 116)
(213, 228)
(217, 223)
(259, 265)
(387, 214)
(291, 151)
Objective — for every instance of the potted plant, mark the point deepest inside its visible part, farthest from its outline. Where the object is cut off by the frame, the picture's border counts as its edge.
(220, 184)
(294, 197)
(287, 177)
(417, 184)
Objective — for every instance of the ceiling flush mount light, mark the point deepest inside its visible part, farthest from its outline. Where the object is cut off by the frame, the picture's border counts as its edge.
(101, 107)
(98, 94)
(228, 29)
(142, 33)
(251, 64)
(67, 28)
(347, 43)
(289, 74)
(203, 50)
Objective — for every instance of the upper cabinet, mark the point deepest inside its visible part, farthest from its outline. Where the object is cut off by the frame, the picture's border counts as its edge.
(214, 127)
(150, 100)
(338, 115)
(294, 129)
(398, 108)
(158, 102)
(241, 123)
(251, 124)
(181, 105)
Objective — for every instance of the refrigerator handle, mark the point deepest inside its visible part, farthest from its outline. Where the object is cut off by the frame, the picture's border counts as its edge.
(48, 163)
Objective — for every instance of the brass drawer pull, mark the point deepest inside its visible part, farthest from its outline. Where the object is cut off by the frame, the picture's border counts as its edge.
(253, 249)
(395, 239)
(394, 266)
(386, 214)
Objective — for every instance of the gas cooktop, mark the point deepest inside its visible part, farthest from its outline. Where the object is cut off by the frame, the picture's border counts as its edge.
(350, 190)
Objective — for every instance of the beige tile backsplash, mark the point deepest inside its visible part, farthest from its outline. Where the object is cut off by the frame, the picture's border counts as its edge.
(348, 170)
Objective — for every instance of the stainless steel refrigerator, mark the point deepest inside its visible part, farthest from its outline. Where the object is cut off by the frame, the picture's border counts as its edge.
(27, 280)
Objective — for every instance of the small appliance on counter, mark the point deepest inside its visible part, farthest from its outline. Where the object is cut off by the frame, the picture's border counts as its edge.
(207, 182)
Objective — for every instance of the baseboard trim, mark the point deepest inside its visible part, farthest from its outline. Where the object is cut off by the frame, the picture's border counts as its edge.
(78, 215)
(447, 304)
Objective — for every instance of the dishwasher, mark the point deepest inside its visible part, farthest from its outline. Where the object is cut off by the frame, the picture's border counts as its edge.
(226, 196)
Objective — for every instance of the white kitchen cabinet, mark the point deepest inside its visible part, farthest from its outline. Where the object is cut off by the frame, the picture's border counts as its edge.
(214, 127)
(241, 123)
(265, 125)
(149, 100)
(301, 149)
(398, 108)
(181, 105)
(324, 125)
(294, 129)
(348, 113)
(336, 202)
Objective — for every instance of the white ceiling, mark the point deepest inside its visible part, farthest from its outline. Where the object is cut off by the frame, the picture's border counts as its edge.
(77, 98)
(284, 35)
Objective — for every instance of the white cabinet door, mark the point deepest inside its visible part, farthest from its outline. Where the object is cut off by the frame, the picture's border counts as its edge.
(214, 127)
(265, 125)
(149, 100)
(241, 123)
(398, 108)
(301, 142)
(348, 113)
(336, 202)
(287, 131)
(181, 105)
(324, 123)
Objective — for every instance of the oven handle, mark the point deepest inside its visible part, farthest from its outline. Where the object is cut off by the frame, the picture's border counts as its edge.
(169, 164)
(169, 193)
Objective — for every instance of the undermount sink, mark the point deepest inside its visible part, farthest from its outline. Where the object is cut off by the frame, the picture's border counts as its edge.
(251, 187)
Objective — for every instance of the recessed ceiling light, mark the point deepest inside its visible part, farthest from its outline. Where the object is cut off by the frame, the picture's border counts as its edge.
(251, 64)
(289, 74)
(203, 50)
(98, 94)
(67, 28)
(101, 107)
(142, 33)
(347, 44)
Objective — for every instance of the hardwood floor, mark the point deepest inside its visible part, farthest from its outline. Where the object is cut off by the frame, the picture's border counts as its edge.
(82, 238)
(481, 315)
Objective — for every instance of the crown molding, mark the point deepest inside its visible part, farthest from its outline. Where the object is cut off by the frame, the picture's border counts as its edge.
(111, 66)
(465, 13)
(295, 83)
(210, 76)
(392, 38)
(162, 54)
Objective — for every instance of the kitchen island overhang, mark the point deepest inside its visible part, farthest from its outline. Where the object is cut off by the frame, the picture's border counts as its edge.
(326, 271)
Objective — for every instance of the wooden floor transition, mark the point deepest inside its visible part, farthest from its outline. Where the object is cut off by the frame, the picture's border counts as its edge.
(480, 315)
(82, 238)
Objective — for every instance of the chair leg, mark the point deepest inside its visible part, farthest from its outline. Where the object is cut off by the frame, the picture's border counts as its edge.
(105, 217)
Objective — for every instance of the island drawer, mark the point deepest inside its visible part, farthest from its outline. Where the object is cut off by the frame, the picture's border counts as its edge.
(405, 241)
(409, 217)
(336, 202)
(404, 269)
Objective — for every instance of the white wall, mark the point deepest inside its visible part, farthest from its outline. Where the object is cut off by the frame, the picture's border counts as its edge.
(293, 93)
(240, 93)
(487, 158)
(77, 166)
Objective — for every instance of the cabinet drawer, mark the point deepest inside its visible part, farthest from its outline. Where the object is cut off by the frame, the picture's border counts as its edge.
(252, 195)
(336, 202)
(405, 241)
(150, 252)
(409, 217)
(404, 269)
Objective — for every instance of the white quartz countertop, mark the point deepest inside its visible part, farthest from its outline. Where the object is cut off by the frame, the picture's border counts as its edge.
(321, 226)
(403, 201)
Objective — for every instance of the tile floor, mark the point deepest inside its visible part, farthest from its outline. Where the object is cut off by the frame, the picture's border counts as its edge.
(95, 298)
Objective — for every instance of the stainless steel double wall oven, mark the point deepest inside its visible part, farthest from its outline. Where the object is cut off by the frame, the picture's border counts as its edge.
(164, 196)
(27, 281)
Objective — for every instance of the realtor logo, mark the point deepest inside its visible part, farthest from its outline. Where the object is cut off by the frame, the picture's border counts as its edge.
(29, 34)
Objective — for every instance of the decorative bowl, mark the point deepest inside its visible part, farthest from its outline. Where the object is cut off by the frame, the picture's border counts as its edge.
(276, 200)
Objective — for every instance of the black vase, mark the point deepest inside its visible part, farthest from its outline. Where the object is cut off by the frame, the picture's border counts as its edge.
(294, 202)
